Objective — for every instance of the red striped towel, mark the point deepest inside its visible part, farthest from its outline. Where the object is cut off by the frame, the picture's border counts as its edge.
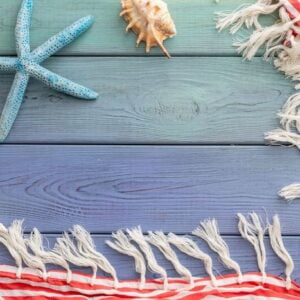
(31, 286)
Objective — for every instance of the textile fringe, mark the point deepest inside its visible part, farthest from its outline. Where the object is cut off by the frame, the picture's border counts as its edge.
(280, 250)
(190, 248)
(209, 232)
(281, 42)
(35, 244)
(252, 231)
(77, 248)
(18, 243)
(160, 240)
(290, 192)
(66, 248)
(87, 249)
(246, 15)
(122, 244)
(137, 236)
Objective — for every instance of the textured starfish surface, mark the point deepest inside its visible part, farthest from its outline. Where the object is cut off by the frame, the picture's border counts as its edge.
(27, 64)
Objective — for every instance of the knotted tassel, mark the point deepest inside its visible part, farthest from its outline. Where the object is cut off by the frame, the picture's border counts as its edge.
(17, 241)
(253, 232)
(189, 247)
(160, 240)
(66, 249)
(209, 232)
(35, 243)
(87, 248)
(137, 236)
(6, 241)
(280, 250)
(123, 245)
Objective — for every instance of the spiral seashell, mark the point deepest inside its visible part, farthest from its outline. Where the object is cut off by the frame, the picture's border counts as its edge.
(150, 20)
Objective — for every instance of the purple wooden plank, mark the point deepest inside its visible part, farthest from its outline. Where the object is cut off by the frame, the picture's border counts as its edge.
(240, 249)
(170, 188)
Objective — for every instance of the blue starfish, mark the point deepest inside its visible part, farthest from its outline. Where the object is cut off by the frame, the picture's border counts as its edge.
(28, 64)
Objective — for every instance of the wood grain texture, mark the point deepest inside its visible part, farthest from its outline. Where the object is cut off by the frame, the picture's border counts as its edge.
(194, 19)
(161, 188)
(217, 100)
(240, 250)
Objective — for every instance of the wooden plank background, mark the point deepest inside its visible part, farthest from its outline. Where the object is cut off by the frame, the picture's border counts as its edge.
(157, 187)
(190, 100)
(195, 23)
(156, 149)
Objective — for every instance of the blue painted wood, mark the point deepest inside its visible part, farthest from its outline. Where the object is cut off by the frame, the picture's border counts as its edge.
(240, 250)
(195, 21)
(215, 100)
(169, 188)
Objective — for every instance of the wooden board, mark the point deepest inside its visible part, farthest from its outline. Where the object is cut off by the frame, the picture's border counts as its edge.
(161, 188)
(217, 100)
(195, 23)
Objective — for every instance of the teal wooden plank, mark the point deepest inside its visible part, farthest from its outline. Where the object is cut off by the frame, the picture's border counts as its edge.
(169, 188)
(195, 21)
(191, 100)
(240, 250)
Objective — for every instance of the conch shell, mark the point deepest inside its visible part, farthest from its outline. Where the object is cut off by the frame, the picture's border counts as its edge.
(150, 20)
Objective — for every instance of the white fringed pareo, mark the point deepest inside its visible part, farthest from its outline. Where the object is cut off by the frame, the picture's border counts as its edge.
(280, 41)
(77, 248)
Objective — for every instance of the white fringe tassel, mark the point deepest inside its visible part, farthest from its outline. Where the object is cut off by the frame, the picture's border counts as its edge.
(290, 192)
(253, 232)
(66, 248)
(209, 232)
(5, 240)
(35, 243)
(17, 241)
(137, 236)
(290, 123)
(86, 248)
(280, 250)
(122, 244)
(190, 248)
(269, 36)
(246, 15)
(77, 248)
(160, 240)
(280, 42)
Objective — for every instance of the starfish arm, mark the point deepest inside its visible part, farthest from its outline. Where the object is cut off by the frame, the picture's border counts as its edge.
(23, 28)
(7, 64)
(62, 39)
(13, 104)
(60, 83)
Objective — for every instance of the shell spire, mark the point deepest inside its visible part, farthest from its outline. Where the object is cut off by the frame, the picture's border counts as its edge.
(150, 20)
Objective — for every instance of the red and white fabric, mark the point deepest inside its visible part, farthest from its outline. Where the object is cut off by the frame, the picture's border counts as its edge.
(31, 286)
